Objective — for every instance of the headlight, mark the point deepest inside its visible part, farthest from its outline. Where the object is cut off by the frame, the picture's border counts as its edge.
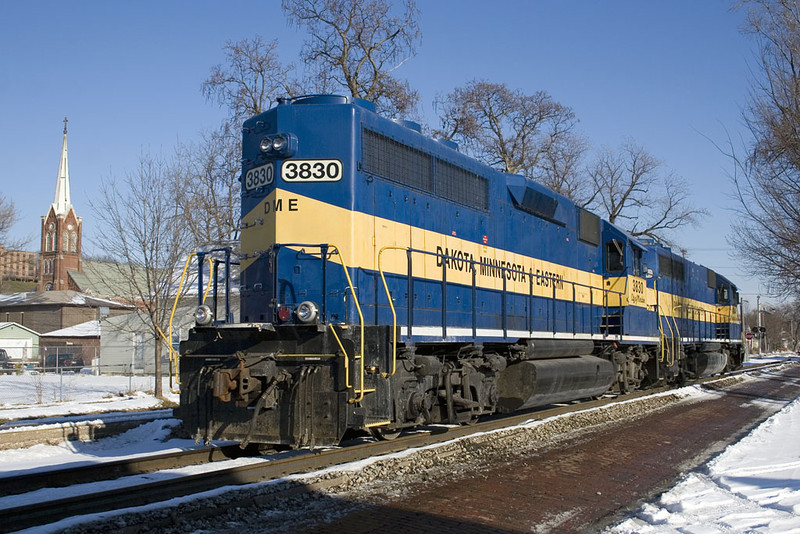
(279, 144)
(203, 315)
(307, 312)
(282, 145)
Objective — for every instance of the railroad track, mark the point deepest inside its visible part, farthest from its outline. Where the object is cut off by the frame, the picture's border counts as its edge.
(139, 493)
(61, 477)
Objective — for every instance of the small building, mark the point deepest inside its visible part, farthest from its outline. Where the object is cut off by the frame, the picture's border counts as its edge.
(18, 265)
(127, 345)
(74, 346)
(21, 343)
(46, 311)
(108, 280)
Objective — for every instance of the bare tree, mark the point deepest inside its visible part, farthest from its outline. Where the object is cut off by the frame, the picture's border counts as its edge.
(248, 84)
(8, 217)
(632, 190)
(356, 45)
(767, 177)
(209, 189)
(146, 237)
(517, 133)
(562, 169)
(251, 80)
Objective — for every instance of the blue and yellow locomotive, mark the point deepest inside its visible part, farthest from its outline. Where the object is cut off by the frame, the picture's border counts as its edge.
(388, 281)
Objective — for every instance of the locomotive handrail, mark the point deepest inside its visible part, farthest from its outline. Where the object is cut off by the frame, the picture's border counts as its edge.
(674, 334)
(172, 354)
(344, 352)
(391, 306)
(361, 390)
(715, 317)
(661, 315)
(473, 264)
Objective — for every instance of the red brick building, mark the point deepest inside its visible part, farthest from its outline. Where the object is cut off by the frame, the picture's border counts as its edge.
(61, 233)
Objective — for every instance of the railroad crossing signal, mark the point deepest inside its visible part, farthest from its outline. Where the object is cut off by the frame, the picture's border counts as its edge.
(756, 332)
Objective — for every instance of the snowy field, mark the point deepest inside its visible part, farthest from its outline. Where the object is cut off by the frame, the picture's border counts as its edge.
(754, 486)
(29, 396)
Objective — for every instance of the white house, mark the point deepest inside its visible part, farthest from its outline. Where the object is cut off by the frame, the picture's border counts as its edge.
(21, 343)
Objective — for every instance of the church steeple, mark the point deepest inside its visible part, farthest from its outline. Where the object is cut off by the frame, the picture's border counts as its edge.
(62, 202)
(61, 233)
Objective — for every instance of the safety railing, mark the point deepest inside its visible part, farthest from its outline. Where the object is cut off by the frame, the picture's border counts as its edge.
(557, 284)
(202, 294)
(669, 345)
(703, 324)
(327, 250)
(173, 354)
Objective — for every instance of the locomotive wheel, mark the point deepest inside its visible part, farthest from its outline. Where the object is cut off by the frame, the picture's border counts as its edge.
(384, 434)
(473, 419)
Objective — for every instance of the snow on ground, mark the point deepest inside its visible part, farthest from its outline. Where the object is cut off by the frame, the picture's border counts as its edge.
(754, 486)
(28, 396)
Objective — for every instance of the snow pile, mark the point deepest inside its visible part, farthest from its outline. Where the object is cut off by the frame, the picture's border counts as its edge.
(152, 437)
(754, 486)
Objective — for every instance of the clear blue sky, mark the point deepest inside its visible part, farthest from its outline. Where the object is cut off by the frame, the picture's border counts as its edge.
(668, 74)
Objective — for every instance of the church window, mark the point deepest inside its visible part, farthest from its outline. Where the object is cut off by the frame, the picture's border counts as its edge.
(73, 242)
(48, 242)
(65, 242)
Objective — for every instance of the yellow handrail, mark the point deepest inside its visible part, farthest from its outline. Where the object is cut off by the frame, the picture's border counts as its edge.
(659, 312)
(391, 306)
(675, 353)
(344, 352)
(671, 350)
(173, 354)
(360, 392)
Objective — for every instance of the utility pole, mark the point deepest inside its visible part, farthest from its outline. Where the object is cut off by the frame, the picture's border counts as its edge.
(748, 343)
(758, 315)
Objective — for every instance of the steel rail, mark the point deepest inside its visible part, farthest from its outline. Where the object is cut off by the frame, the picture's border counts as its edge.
(81, 473)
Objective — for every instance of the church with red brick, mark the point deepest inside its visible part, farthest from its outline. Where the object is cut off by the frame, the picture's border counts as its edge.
(61, 234)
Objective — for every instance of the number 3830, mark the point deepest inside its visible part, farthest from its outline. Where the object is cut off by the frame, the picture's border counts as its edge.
(311, 170)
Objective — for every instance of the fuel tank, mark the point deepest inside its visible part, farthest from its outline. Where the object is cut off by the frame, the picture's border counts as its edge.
(538, 382)
(709, 363)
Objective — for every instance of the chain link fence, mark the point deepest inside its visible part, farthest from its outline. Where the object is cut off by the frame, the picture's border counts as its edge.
(123, 360)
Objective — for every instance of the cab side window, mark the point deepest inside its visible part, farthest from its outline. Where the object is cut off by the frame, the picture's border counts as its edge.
(615, 256)
(638, 269)
(723, 295)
